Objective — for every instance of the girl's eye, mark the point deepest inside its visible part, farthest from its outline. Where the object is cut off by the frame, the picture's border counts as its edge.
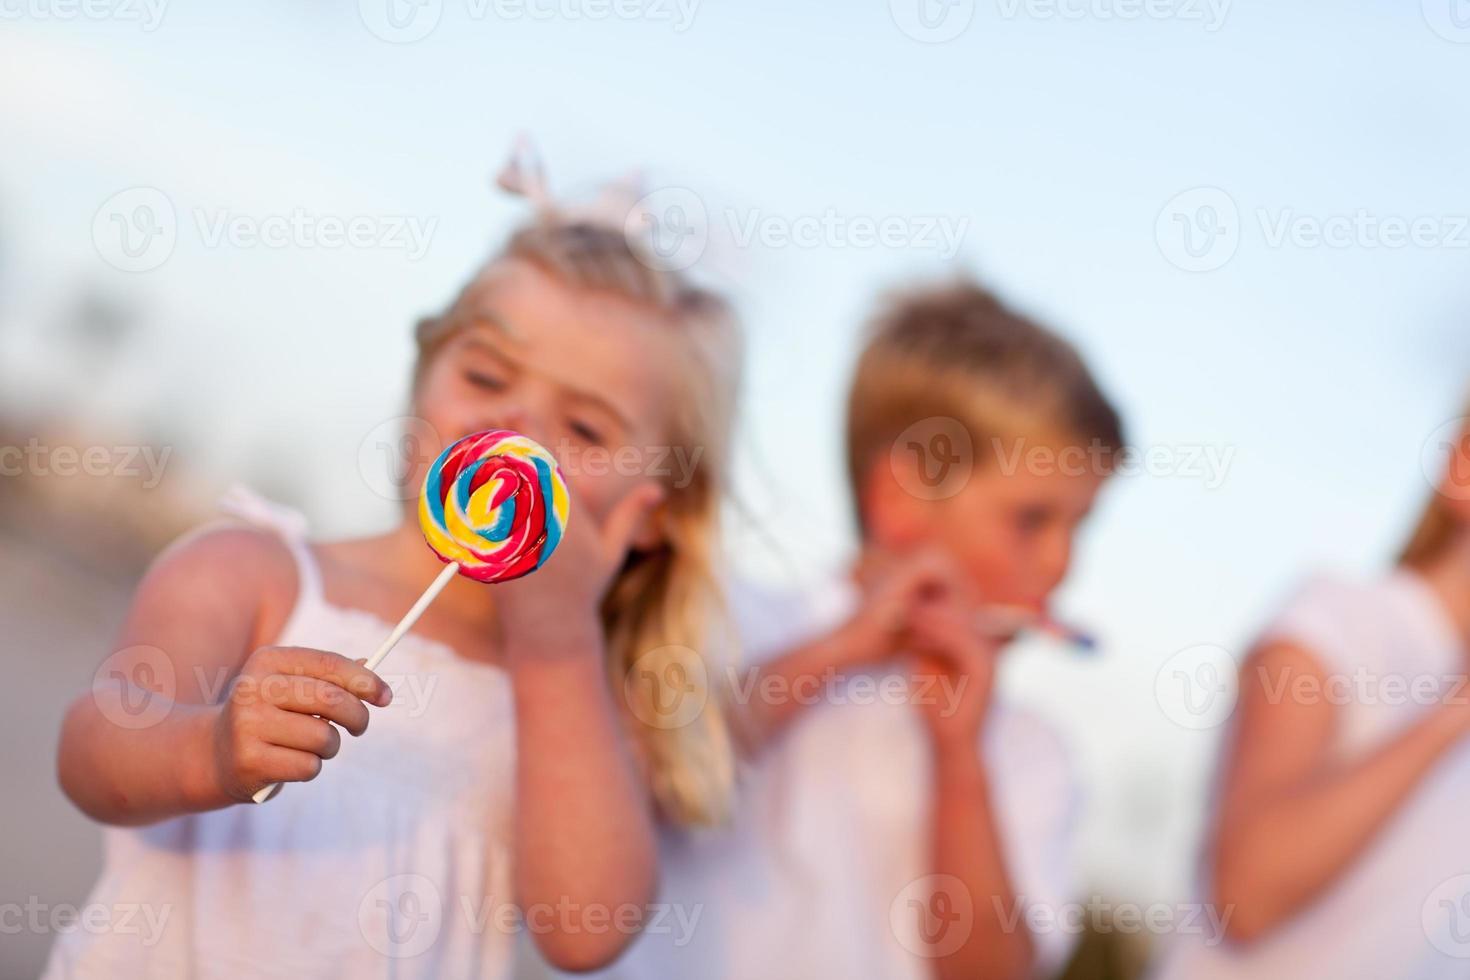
(482, 380)
(585, 432)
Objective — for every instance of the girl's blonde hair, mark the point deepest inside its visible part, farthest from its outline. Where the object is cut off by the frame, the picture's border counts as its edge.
(1435, 530)
(664, 604)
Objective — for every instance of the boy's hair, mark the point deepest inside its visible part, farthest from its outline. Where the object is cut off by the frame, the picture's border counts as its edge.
(955, 351)
(664, 605)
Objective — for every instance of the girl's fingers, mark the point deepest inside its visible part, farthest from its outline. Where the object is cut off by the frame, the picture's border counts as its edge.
(310, 696)
(291, 730)
(351, 675)
(622, 523)
(283, 765)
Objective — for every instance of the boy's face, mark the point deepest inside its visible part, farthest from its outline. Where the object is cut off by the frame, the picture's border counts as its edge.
(1011, 531)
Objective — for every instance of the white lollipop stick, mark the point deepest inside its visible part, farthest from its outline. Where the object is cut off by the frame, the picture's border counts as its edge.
(404, 625)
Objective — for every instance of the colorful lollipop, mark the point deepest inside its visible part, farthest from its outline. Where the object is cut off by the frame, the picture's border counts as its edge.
(493, 508)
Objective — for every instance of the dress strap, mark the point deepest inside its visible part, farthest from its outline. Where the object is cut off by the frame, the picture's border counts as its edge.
(289, 524)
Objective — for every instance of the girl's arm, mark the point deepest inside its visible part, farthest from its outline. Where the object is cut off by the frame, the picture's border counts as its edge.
(586, 861)
(183, 717)
(1290, 821)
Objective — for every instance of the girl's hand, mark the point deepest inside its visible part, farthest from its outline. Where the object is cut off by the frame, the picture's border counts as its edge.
(554, 610)
(953, 673)
(275, 726)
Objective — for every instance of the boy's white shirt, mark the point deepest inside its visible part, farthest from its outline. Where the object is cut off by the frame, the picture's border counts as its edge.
(816, 872)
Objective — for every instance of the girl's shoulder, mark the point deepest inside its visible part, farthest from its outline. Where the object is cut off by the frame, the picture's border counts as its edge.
(1348, 622)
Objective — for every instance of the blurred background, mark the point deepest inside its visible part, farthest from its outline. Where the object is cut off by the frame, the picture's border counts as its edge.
(217, 227)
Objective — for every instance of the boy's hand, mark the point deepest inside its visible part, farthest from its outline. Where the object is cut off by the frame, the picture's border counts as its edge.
(893, 588)
(953, 673)
(554, 610)
(275, 725)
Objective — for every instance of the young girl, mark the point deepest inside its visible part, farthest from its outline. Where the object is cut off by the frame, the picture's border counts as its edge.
(504, 780)
(1340, 847)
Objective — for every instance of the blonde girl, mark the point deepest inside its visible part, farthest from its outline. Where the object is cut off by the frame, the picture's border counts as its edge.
(512, 775)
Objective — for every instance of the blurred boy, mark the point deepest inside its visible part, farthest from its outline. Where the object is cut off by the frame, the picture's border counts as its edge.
(933, 816)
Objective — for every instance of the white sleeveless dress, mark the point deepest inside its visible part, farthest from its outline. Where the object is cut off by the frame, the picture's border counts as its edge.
(394, 862)
(1401, 909)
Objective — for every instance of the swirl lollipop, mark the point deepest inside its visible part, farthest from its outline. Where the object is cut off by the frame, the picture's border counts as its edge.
(493, 508)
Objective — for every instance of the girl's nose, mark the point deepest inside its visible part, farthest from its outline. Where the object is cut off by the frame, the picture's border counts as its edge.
(517, 418)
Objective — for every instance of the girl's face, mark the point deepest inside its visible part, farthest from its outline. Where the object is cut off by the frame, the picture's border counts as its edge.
(586, 374)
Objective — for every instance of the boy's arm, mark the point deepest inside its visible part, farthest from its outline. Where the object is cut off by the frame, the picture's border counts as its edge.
(769, 697)
(968, 853)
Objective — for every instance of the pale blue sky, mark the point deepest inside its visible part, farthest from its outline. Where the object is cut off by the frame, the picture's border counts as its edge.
(1059, 139)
